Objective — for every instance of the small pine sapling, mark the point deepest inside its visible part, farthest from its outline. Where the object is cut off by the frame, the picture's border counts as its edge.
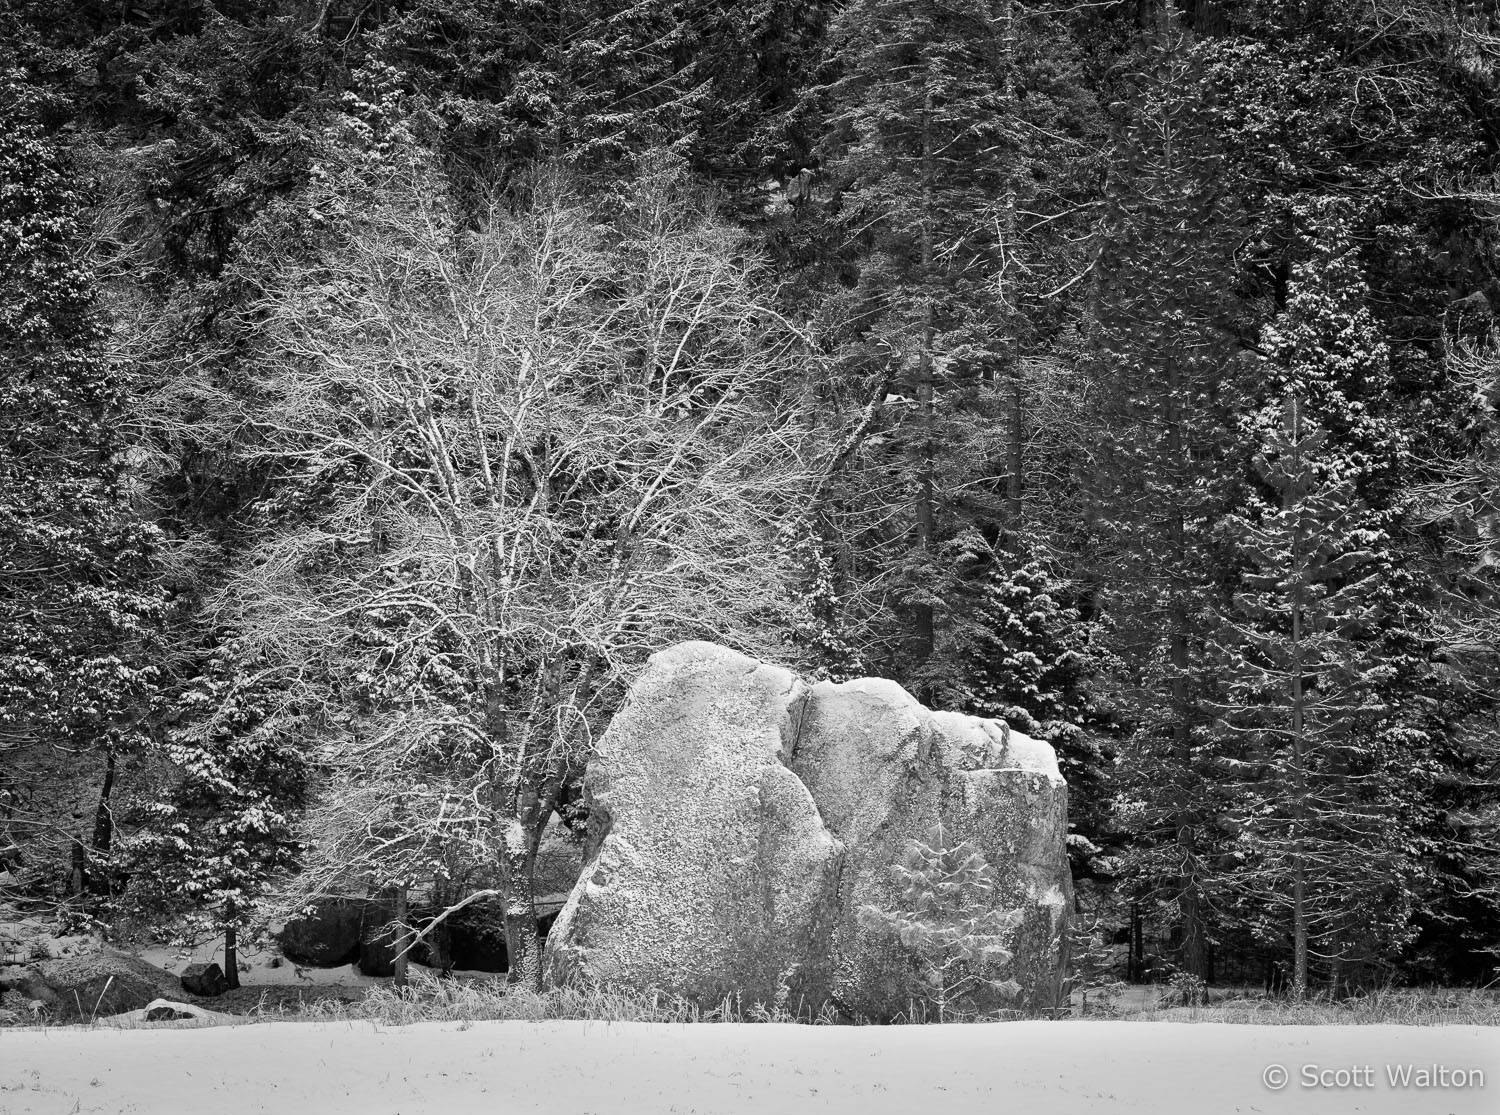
(948, 921)
(1093, 970)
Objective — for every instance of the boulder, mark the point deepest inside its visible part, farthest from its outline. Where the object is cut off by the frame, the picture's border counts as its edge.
(377, 950)
(885, 771)
(712, 872)
(328, 937)
(740, 819)
(106, 982)
(559, 860)
(207, 980)
(11, 976)
(169, 1014)
(476, 938)
(165, 1013)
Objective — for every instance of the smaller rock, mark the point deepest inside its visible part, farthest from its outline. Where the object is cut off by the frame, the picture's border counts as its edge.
(329, 936)
(9, 1018)
(170, 1013)
(204, 979)
(166, 1014)
(476, 938)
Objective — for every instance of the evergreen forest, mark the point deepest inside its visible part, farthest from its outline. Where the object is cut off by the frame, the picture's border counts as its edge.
(382, 381)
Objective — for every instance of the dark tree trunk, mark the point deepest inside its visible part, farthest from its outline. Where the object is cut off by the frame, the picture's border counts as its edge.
(231, 948)
(925, 519)
(402, 939)
(104, 817)
(78, 871)
(1137, 946)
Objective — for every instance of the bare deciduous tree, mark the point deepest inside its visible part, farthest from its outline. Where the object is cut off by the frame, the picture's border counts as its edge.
(542, 445)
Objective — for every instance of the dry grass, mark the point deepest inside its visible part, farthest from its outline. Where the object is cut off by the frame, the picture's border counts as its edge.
(1389, 1006)
(430, 999)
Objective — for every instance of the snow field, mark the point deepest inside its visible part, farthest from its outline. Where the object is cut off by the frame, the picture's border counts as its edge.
(599, 1068)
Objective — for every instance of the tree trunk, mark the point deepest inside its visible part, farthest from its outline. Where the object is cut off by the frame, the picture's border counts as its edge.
(78, 874)
(1015, 481)
(522, 944)
(924, 511)
(517, 864)
(1189, 902)
(104, 817)
(402, 939)
(1137, 967)
(1299, 728)
(231, 947)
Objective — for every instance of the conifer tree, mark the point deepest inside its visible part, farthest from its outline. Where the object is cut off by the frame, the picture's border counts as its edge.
(1319, 853)
(948, 921)
(78, 610)
(936, 164)
(1457, 498)
(224, 828)
(1321, 727)
(1016, 650)
(1167, 367)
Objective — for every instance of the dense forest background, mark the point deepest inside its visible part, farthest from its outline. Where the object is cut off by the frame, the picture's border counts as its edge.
(384, 379)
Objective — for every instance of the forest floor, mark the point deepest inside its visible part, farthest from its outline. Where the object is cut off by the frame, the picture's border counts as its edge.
(634, 1068)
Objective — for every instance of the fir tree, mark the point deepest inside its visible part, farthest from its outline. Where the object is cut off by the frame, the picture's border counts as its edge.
(1321, 857)
(225, 827)
(941, 189)
(1015, 649)
(1325, 716)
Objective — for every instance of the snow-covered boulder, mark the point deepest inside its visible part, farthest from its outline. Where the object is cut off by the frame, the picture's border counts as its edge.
(168, 1014)
(739, 820)
(884, 771)
(207, 980)
(712, 872)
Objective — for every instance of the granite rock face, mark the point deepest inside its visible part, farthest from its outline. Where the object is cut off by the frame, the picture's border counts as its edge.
(711, 870)
(885, 771)
(740, 818)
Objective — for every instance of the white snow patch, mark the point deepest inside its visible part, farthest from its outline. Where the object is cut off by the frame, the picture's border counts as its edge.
(1060, 1068)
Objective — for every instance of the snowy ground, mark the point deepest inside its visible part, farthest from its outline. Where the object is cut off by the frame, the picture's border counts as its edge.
(578, 1068)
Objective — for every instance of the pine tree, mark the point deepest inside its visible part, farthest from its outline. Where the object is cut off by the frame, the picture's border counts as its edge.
(1015, 649)
(1455, 499)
